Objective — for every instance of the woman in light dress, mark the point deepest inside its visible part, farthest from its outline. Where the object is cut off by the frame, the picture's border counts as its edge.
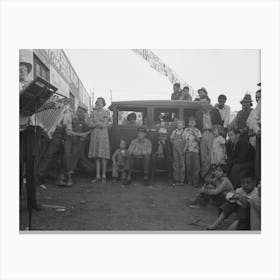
(99, 147)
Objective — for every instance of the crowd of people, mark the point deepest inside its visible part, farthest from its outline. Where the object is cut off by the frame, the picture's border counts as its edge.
(220, 158)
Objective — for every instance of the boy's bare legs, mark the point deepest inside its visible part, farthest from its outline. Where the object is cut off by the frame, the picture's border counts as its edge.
(234, 225)
(219, 220)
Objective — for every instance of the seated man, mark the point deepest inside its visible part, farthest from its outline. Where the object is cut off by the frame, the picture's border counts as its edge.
(161, 150)
(141, 148)
(241, 156)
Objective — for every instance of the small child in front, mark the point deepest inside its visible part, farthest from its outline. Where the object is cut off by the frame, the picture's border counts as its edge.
(178, 143)
(192, 137)
(238, 202)
(119, 160)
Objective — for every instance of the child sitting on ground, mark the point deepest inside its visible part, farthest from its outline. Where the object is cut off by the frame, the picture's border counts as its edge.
(178, 143)
(238, 202)
(119, 160)
(216, 189)
(218, 153)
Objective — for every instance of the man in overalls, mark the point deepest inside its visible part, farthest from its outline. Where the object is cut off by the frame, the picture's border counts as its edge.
(178, 143)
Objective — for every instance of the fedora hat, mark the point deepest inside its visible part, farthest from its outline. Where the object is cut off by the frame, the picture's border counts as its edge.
(203, 89)
(27, 64)
(247, 98)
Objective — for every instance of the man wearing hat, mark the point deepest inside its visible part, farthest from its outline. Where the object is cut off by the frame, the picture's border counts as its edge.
(201, 93)
(254, 124)
(140, 148)
(206, 118)
(240, 120)
(73, 143)
(161, 152)
(27, 140)
(24, 71)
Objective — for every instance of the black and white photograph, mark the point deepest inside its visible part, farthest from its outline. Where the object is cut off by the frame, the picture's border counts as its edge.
(116, 140)
(139, 140)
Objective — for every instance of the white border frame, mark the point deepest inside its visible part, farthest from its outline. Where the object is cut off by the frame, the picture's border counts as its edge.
(193, 24)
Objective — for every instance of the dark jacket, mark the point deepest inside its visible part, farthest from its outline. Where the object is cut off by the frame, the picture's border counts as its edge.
(215, 118)
(241, 152)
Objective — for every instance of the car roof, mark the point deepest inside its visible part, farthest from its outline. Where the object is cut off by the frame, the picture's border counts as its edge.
(157, 103)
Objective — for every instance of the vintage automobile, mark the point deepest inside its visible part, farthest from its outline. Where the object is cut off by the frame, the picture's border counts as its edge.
(150, 113)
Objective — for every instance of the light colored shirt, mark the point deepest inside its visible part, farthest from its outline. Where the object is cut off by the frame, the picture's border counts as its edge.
(207, 123)
(218, 153)
(225, 114)
(254, 119)
(140, 147)
(24, 121)
(192, 143)
(222, 185)
(248, 196)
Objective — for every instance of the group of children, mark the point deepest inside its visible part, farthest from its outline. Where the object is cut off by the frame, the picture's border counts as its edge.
(185, 145)
(185, 153)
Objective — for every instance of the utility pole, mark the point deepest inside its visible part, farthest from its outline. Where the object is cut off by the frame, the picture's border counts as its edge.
(92, 98)
(111, 96)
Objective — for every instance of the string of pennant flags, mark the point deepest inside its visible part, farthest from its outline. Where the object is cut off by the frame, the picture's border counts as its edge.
(157, 64)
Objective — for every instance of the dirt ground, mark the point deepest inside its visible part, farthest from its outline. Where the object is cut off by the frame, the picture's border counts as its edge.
(98, 207)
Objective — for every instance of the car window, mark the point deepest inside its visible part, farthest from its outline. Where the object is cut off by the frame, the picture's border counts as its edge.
(166, 116)
(132, 116)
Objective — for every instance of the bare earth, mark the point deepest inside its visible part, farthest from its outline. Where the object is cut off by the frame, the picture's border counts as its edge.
(109, 207)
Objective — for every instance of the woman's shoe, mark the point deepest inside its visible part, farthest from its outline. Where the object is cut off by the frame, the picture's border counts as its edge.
(96, 180)
(104, 181)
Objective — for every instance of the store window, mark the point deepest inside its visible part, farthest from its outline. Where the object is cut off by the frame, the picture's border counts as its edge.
(40, 69)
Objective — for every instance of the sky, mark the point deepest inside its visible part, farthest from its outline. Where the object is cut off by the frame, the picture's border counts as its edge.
(129, 77)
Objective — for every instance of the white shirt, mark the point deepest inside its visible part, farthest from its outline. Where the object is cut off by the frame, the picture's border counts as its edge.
(254, 118)
(225, 114)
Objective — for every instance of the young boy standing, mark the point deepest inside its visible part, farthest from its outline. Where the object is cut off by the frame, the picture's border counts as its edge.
(192, 137)
(178, 143)
(119, 160)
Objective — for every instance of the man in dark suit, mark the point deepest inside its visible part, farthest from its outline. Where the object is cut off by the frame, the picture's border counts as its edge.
(241, 157)
(206, 118)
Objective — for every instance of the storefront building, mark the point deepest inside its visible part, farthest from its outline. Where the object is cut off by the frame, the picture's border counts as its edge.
(54, 66)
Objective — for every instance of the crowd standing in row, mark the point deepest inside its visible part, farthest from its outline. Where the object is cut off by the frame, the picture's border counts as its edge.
(222, 158)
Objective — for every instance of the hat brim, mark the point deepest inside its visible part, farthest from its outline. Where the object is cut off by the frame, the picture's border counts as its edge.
(246, 101)
(28, 65)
